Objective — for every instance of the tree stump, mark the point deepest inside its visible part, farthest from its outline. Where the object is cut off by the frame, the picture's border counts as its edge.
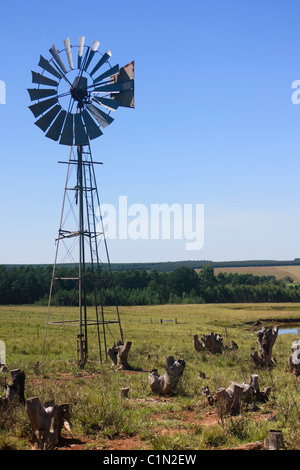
(16, 390)
(167, 383)
(197, 344)
(124, 392)
(266, 339)
(119, 355)
(229, 400)
(294, 360)
(209, 399)
(47, 421)
(275, 440)
(213, 343)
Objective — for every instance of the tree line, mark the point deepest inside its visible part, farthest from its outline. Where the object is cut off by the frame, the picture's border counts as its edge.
(30, 284)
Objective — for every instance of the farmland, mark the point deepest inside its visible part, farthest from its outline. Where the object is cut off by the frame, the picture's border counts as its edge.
(279, 272)
(181, 421)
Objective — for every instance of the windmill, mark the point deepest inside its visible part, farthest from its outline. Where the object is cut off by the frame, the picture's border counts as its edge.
(75, 96)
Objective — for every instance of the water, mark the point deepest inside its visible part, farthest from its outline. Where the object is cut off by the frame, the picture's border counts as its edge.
(285, 330)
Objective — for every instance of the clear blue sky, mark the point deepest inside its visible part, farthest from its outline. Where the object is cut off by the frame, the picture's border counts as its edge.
(214, 124)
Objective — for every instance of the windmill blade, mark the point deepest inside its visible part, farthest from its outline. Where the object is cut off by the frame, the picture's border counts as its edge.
(93, 51)
(55, 129)
(107, 103)
(39, 93)
(44, 64)
(91, 127)
(57, 58)
(80, 50)
(69, 52)
(45, 121)
(108, 73)
(102, 61)
(42, 80)
(103, 118)
(81, 137)
(42, 106)
(110, 88)
(68, 131)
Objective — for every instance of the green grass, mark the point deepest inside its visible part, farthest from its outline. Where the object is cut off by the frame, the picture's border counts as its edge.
(97, 412)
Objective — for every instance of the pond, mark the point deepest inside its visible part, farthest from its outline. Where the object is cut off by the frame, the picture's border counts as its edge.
(285, 330)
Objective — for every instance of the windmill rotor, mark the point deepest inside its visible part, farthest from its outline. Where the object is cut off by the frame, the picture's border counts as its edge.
(76, 95)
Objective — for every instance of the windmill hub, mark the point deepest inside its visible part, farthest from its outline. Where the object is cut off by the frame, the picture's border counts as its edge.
(79, 91)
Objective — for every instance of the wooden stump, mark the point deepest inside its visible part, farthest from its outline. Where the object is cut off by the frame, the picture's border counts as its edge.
(119, 355)
(213, 343)
(197, 344)
(167, 383)
(266, 339)
(231, 399)
(16, 390)
(294, 359)
(47, 421)
(275, 440)
(124, 392)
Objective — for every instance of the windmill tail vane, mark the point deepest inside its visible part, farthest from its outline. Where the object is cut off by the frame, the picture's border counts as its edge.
(77, 91)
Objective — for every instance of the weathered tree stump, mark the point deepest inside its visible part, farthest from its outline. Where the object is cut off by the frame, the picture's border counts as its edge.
(231, 399)
(266, 339)
(124, 392)
(47, 421)
(119, 355)
(294, 359)
(275, 440)
(15, 392)
(209, 399)
(213, 343)
(167, 383)
(197, 344)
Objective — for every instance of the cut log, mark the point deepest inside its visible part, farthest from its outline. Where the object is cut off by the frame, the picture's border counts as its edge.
(167, 383)
(294, 363)
(266, 339)
(119, 355)
(15, 392)
(47, 421)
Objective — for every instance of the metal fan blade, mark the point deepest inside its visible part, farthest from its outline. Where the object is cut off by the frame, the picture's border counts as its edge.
(91, 127)
(57, 58)
(55, 129)
(42, 106)
(69, 52)
(108, 73)
(80, 50)
(68, 131)
(92, 53)
(103, 119)
(44, 64)
(81, 137)
(45, 121)
(110, 88)
(102, 61)
(42, 80)
(39, 93)
(109, 104)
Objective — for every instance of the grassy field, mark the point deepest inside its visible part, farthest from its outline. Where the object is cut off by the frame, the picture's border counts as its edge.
(100, 420)
(279, 272)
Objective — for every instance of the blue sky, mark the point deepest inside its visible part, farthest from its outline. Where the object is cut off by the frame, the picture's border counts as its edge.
(214, 124)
